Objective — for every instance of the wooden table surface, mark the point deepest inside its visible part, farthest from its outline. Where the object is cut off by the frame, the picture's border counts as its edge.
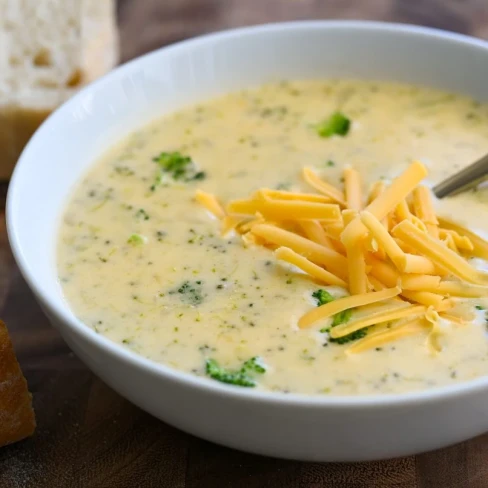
(88, 436)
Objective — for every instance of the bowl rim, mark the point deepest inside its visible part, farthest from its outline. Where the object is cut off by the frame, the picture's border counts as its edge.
(205, 385)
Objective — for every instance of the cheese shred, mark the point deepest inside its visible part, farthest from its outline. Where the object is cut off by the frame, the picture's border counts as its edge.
(211, 203)
(346, 303)
(290, 256)
(403, 266)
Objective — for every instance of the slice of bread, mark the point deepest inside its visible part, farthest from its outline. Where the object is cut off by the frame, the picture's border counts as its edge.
(17, 419)
(48, 50)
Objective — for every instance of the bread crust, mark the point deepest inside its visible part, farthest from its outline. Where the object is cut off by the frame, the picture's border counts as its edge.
(17, 125)
(17, 420)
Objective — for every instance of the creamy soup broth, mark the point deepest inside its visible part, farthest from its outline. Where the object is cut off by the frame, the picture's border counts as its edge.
(240, 302)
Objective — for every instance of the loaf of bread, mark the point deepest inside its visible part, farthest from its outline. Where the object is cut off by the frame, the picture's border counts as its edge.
(48, 50)
(17, 419)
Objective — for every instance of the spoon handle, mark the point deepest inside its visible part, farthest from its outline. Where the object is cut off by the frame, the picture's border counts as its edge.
(464, 180)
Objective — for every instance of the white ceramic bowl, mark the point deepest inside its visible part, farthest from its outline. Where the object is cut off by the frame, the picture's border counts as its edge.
(314, 428)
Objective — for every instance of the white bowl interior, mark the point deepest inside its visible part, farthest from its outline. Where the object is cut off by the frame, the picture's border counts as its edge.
(74, 137)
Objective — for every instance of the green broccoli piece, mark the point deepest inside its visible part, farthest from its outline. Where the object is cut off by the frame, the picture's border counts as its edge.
(353, 336)
(254, 365)
(176, 165)
(342, 317)
(242, 377)
(323, 297)
(336, 124)
(216, 372)
(173, 162)
(137, 239)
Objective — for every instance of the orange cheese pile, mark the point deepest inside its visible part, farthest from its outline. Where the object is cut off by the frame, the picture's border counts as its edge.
(404, 267)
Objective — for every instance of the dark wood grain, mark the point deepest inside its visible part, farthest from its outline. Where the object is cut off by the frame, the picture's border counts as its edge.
(88, 436)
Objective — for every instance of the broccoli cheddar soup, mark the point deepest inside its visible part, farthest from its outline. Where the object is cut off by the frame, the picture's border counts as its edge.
(285, 238)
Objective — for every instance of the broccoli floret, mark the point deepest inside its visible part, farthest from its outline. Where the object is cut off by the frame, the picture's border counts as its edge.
(173, 162)
(254, 365)
(323, 297)
(353, 336)
(177, 166)
(336, 124)
(241, 377)
(137, 239)
(342, 317)
(216, 372)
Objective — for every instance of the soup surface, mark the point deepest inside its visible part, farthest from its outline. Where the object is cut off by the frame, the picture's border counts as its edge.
(141, 262)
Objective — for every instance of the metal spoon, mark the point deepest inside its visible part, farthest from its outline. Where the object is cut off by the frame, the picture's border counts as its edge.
(466, 179)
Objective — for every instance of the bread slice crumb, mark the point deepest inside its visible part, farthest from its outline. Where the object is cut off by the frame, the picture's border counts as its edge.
(48, 50)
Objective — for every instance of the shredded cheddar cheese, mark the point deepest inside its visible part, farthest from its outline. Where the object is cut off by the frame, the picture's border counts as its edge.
(315, 232)
(384, 239)
(322, 187)
(286, 209)
(388, 200)
(380, 338)
(402, 211)
(211, 203)
(315, 252)
(377, 189)
(426, 298)
(290, 256)
(434, 249)
(419, 282)
(346, 303)
(356, 267)
(352, 184)
(345, 329)
(424, 209)
(417, 264)
(267, 194)
(404, 268)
